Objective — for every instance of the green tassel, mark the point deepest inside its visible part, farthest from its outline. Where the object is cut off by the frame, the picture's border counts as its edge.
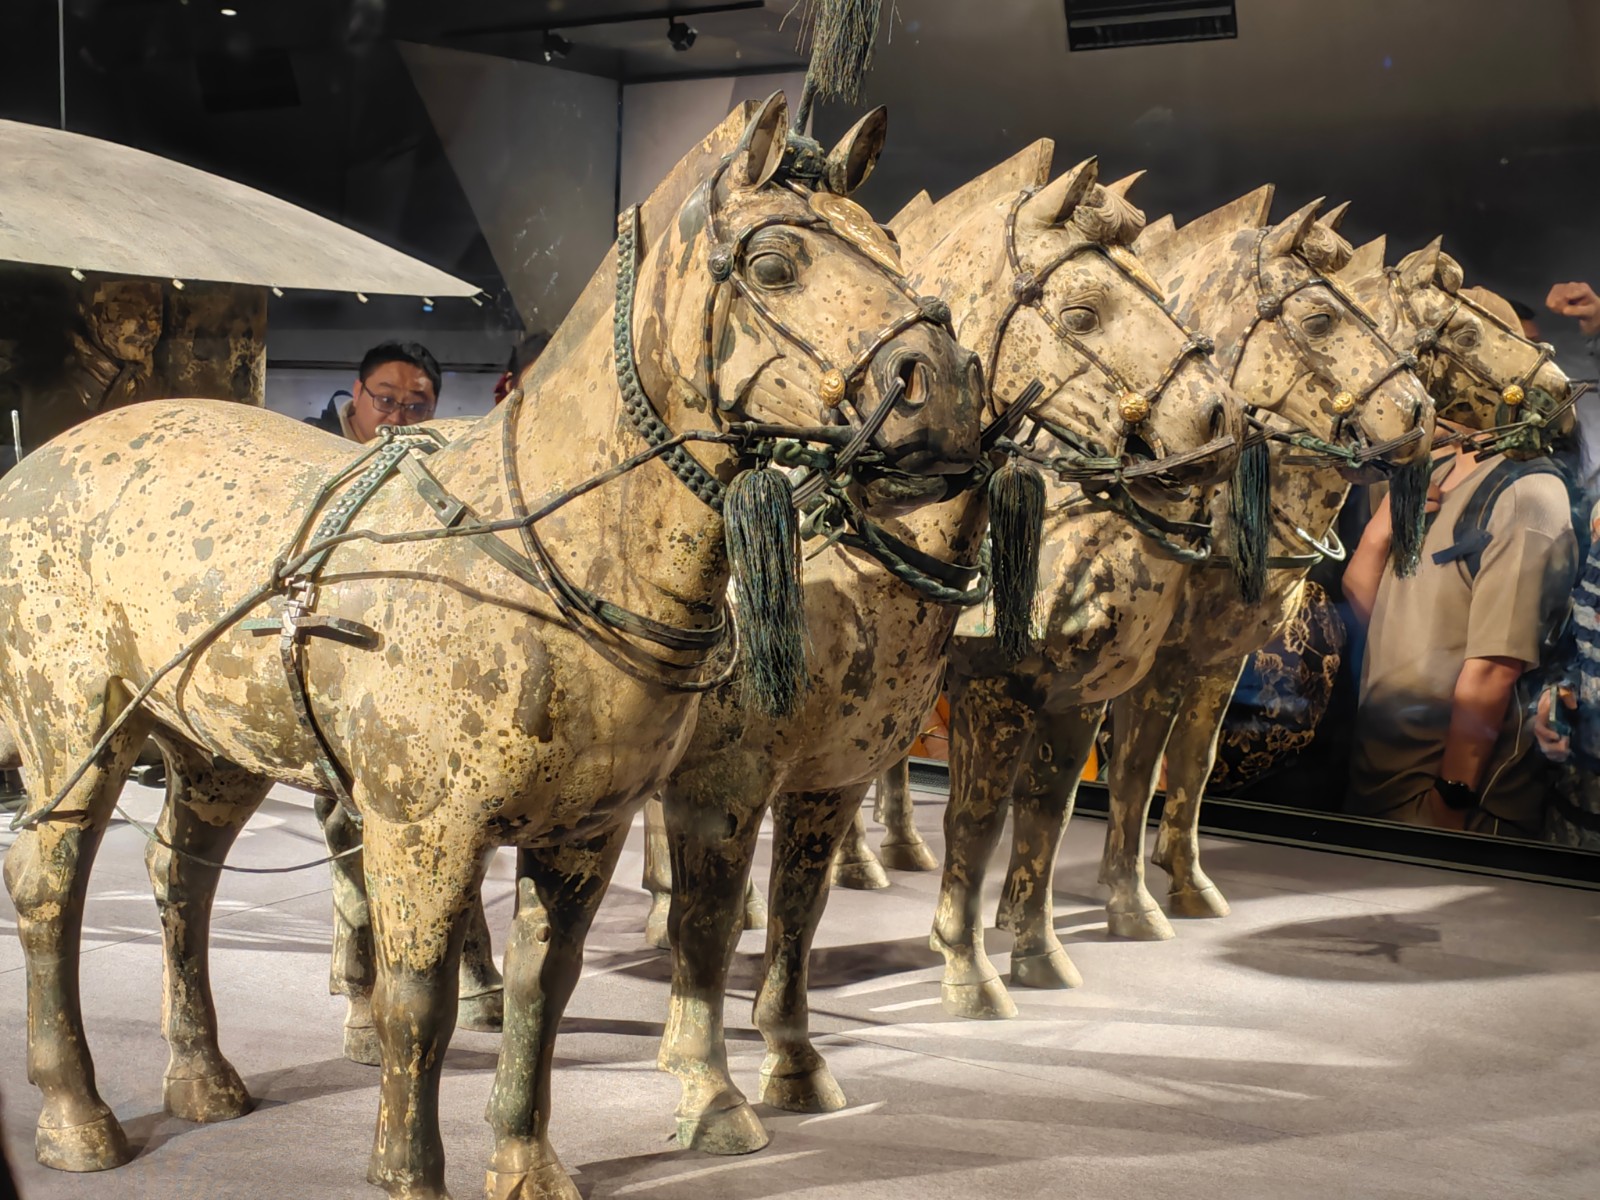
(1016, 529)
(842, 33)
(1408, 513)
(1249, 499)
(763, 541)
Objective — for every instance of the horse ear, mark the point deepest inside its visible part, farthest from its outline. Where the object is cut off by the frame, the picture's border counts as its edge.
(1420, 268)
(1120, 188)
(1334, 217)
(1054, 204)
(760, 151)
(852, 160)
(1285, 237)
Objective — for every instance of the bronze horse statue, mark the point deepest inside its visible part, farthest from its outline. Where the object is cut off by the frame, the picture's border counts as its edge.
(464, 667)
(1472, 360)
(1021, 735)
(1088, 327)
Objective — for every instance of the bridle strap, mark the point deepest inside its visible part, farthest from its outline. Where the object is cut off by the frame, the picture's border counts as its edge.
(1027, 291)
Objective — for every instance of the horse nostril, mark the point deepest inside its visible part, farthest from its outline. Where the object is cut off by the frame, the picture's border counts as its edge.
(914, 372)
(1219, 419)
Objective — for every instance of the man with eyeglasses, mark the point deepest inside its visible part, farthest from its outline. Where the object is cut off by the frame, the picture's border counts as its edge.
(398, 384)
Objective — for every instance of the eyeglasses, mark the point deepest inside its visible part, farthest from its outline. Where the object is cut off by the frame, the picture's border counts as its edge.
(390, 406)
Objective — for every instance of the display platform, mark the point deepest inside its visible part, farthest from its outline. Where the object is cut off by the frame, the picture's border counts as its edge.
(1357, 1028)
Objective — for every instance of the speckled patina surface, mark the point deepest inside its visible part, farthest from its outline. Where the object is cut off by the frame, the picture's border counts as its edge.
(477, 718)
(878, 649)
(1177, 708)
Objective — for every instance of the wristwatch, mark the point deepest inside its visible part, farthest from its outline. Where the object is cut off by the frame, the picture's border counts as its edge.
(1456, 795)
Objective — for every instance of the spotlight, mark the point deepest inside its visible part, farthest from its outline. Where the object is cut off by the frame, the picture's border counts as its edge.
(555, 46)
(680, 35)
(229, 12)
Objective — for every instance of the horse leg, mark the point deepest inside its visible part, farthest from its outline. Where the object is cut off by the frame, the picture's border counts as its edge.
(47, 874)
(657, 875)
(658, 882)
(208, 802)
(351, 971)
(990, 732)
(855, 866)
(1142, 720)
(480, 987)
(712, 828)
(421, 879)
(558, 890)
(1040, 810)
(806, 828)
(902, 848)
(1191, 754)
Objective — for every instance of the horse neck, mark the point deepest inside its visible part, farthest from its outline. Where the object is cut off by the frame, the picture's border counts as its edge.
(642, 540)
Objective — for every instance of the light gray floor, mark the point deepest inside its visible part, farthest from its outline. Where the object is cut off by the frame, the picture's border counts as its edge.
(1355, 1029)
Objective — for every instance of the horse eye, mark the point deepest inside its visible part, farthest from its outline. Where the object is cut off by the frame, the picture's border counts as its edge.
(1080, 319)
(1466, 336)
(1318, 324)
(772, 270)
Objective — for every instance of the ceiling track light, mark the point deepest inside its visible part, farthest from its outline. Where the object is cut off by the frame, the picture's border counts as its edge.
(555, 46)
(680, 34)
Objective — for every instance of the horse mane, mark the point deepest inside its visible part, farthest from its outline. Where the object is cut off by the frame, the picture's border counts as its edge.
(1160, 252)
(1028, 168)
(916, 209)
(664, 204)
(1365, 262)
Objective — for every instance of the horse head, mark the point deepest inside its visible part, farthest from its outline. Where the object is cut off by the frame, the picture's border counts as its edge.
(768, 296)
(1295, 343)
(1480, 368)
(1047, 288)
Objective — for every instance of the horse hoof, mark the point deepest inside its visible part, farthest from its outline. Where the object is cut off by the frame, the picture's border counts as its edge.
(219, 1097)
(986, 1001)
(1141, 925)
(907, 856)
(1052, 969)
(96, 1145)
(813, 1091)
(549, 1182)
(1197, 902)
(655, 925)
(361, 1045)
(867, 875)
(483, 1013)
(734, 1130)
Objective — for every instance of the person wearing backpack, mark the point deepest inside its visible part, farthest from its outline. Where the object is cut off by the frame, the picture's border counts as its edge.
(1442, 734)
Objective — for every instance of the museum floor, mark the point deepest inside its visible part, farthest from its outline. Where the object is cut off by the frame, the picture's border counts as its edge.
(1356, 1029)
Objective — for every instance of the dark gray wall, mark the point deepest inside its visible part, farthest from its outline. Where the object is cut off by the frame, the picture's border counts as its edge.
(1477, 119)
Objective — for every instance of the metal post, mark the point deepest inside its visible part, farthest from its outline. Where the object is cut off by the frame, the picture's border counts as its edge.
(16, 433)
(61, 57)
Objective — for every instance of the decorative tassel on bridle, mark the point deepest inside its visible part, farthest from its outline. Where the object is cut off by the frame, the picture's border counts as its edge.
(763, 542)
(1249, 516)
(1408, 514)
(1016, 530)
(841, 34)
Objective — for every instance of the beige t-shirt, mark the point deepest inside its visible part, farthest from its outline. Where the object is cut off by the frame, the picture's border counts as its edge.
(1424, 628)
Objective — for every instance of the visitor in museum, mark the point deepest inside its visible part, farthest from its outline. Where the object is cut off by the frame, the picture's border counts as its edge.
(1442, 736)
(398, 384)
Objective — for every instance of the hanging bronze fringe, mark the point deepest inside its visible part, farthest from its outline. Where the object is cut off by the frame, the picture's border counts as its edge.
(841, 34)
(1249, 500)
(1016, 529)
(1408, 513)
(763, 541)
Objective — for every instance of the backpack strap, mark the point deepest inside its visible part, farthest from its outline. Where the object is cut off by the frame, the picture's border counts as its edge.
(1472, 536)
